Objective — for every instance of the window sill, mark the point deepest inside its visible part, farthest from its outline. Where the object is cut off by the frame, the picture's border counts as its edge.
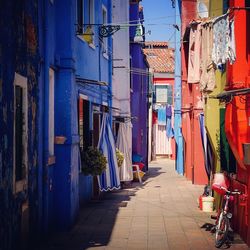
(60, 139)
(51, 160)
(105, 56)
(91, 45)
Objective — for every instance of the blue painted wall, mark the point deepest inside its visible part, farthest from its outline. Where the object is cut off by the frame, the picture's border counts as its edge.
(139, 99)
(91, 61)
(19, 53)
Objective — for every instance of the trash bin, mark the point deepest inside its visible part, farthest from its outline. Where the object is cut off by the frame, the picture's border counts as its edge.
(207, 204)
(246, 153)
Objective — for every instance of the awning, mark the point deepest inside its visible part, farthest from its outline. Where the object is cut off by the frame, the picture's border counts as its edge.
(231, 93)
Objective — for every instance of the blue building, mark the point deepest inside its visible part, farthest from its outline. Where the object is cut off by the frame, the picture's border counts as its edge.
(139, 82)
(55, 80)
(20, 123)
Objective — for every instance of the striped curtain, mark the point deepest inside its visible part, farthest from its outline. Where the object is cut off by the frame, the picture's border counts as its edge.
(109, 179)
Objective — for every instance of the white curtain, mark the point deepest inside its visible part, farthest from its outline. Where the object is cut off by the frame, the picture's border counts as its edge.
(124, 144)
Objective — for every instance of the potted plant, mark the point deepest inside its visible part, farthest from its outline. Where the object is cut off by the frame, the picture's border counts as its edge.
(119, 156)
(93, 161)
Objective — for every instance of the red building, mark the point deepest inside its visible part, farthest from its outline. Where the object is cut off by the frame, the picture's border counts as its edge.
(237, 122)
(191, 106)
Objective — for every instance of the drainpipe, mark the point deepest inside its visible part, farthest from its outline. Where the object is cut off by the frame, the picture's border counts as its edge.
(177, 93)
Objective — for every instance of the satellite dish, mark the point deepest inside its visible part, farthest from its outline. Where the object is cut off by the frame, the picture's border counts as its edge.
(202, 10)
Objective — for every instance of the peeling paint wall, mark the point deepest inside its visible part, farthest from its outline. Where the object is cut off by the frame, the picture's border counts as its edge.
(18, 53)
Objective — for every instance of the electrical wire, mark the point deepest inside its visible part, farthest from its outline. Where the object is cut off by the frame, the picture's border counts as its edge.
(160, 18)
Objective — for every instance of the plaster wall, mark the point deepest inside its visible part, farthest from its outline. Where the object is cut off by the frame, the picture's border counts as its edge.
(121, 58)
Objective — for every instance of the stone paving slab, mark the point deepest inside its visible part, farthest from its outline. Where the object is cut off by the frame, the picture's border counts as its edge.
(161, 213)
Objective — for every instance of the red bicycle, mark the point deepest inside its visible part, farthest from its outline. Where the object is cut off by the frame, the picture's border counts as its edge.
(222, 224)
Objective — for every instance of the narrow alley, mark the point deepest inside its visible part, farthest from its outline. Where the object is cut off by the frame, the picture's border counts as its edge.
(161, 213)
(124, 124)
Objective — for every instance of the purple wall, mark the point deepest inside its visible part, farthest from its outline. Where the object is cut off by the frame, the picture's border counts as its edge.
(139, 85)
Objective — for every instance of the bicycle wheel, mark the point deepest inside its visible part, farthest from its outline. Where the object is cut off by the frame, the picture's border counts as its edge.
(221, 230)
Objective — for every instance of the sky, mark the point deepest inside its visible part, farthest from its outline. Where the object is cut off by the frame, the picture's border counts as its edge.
(159, 16)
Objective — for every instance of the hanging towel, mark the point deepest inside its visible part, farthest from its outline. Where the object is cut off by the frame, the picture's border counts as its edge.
(194, 53)
(109, 179)
(207, 81)
(124, 144)
(223, 41)
(162, 116)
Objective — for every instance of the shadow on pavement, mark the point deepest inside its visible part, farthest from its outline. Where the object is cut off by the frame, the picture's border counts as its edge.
(95, 224)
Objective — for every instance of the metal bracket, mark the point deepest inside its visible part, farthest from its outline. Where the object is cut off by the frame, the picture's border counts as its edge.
(108, 30)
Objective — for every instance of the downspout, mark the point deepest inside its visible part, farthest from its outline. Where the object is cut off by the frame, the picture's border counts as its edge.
(178, 92)
(110, 45)
(45, 115)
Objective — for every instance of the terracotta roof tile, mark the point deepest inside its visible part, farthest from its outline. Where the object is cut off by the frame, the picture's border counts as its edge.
(160, 59)
(156, 44)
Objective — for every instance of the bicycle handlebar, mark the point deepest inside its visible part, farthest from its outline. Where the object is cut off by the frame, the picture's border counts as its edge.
(230, 192)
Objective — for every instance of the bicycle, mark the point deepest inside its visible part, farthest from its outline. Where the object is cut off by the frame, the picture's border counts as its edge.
(222, 225)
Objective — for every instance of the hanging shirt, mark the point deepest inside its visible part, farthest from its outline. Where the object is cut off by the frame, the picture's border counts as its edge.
(169, 110)
(169, 129)
(207, 81)
(194, 53)
(223, 41)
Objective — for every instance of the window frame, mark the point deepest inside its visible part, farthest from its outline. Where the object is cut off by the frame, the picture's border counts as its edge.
(51, 118)
(166, 86)
(21, 185)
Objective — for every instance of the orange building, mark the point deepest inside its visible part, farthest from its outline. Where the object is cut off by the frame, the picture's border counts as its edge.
(191, 106)
(237, 119)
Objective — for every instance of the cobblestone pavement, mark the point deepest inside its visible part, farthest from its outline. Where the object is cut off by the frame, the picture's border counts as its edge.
(161, 213)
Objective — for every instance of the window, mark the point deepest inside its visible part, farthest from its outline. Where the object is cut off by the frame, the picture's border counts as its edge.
(20, 159)
(84, 123)
(51, 111)
(104, 39)
(91, 11)
(80, 16)
(164, 94)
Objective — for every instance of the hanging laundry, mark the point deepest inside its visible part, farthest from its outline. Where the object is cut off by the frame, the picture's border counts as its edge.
(194, 53)
(207, 81)
(124, 144)
(162, 116)
(169, 110)
(231, 46)
(154, 117)
(223, 41)
(169, 129)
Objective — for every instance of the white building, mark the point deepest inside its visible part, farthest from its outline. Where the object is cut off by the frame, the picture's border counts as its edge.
(121, 86)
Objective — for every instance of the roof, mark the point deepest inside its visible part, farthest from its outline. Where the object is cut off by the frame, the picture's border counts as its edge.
(156, 44)
(159, 57)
